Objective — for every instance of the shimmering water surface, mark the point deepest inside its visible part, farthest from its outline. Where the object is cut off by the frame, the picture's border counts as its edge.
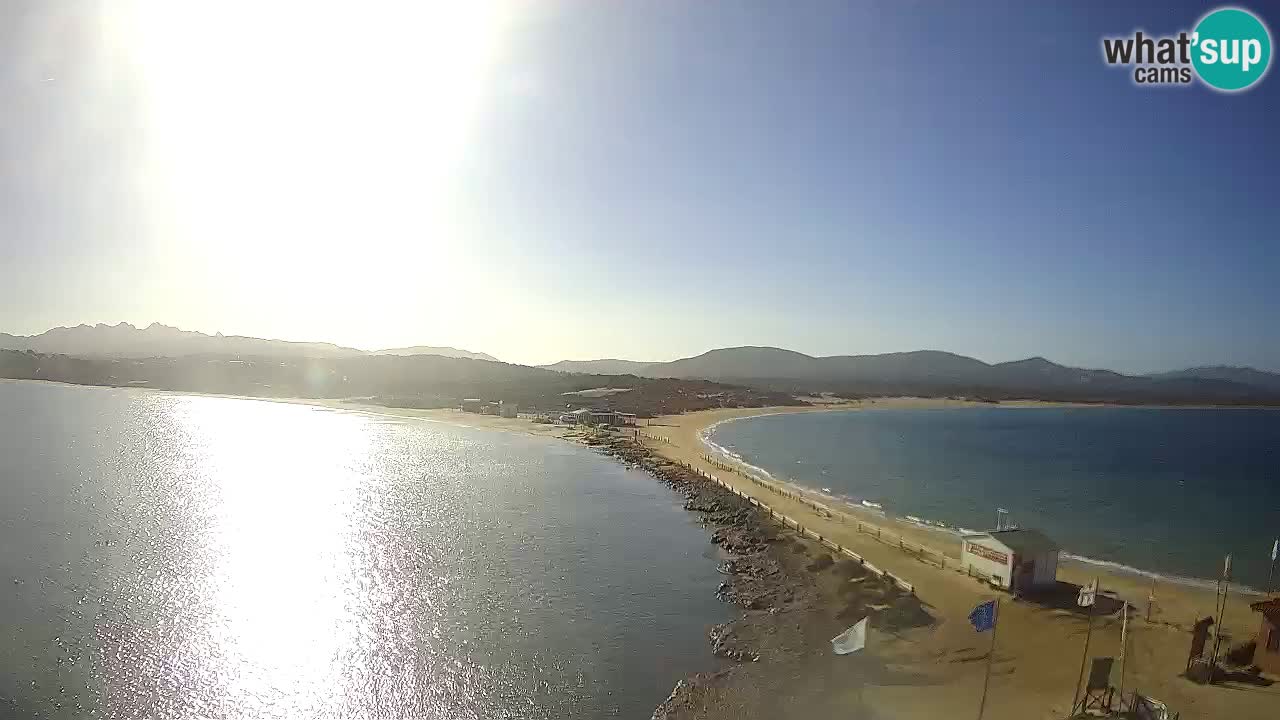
(167, 555)
(1157, 489)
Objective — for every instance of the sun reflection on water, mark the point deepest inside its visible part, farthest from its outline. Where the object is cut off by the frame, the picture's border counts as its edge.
(285, 587)
(213, 557)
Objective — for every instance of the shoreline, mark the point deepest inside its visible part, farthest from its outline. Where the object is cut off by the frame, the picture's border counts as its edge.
(946, 533)
(782, 647)
(1038, 681)
(452, 416)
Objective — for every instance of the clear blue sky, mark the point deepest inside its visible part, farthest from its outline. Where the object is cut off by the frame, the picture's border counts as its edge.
(647, 180)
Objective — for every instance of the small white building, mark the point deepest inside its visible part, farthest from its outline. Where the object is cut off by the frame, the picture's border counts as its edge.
(508, 409)
(1017, 560)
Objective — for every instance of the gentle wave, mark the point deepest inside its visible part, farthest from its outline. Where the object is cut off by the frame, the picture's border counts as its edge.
(858, 505)
(852, 503)
(1122, 569)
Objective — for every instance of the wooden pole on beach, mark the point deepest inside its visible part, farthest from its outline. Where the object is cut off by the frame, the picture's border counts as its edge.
(1124, 644)
(1275, 550)
(986, 680)
(1084, 658)
(1222, 613)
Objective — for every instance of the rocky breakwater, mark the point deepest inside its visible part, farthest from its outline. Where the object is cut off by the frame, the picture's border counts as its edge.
(794, 595)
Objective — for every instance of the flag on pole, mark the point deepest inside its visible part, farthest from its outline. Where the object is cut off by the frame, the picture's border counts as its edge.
(1275, 548)
(1088, 594)
(1226, 568)
(983, 617)
(851, 640)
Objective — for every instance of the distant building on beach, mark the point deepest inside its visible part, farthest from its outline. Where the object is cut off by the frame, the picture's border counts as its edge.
(1266, 652)
(587, 416)
(1017, 560)
(473, 405)
(508, 409)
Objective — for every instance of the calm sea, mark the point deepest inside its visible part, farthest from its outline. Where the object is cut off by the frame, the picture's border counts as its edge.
(166, 555)
(1163, 490)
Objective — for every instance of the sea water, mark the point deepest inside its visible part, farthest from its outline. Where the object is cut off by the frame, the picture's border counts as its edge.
(1169, 491)
(178, 556)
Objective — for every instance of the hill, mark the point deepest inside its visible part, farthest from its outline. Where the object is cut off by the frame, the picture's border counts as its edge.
(937, 373)
(441, 351)
(599, 367)
(402, 381)
(123, 340)
(1244, 375)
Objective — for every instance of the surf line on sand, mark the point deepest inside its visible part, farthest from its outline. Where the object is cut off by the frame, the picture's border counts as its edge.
(850, 510)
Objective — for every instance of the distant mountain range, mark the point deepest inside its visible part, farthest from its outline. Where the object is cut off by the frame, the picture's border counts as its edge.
(933, 373)
(156, 340)
(420, 381)
(441, 351)
(602, 367)
(925, 372)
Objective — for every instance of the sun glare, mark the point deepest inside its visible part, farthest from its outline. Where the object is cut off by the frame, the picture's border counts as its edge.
(291, 139)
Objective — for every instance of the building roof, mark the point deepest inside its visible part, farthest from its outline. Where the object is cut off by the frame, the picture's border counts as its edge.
(1025, 541)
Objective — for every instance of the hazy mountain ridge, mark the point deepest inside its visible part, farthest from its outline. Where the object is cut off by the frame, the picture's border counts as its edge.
(124, 340)
(423, 381)
(452, 352)
(934, 372)
(1229, 373)
(599, 367)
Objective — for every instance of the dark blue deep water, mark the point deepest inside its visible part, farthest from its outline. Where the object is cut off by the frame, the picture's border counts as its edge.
(172, 556)
(1163, 490)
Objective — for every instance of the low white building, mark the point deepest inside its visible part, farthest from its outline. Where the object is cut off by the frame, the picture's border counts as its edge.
(1016, 560)
(508, 409)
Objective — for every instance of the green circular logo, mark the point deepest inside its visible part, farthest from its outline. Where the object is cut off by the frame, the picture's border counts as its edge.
(1232, 49)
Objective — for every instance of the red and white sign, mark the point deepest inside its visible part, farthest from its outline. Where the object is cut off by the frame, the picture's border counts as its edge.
(983, 551)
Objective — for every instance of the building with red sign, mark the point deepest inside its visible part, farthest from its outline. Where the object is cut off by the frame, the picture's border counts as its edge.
(1017, 560)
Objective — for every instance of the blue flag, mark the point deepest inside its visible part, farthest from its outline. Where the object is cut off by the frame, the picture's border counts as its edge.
(983, 617)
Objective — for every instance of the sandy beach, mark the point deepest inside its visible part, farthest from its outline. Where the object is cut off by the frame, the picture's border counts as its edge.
(1039, 647)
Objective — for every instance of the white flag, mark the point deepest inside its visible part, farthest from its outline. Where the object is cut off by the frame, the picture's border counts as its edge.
(1275, 547)
(1088, 594)
(851, 640)
(1226, 568)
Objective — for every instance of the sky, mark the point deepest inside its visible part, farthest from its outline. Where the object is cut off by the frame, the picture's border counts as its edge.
(546, 180)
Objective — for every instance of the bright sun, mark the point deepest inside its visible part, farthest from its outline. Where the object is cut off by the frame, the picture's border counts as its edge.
(292, 138)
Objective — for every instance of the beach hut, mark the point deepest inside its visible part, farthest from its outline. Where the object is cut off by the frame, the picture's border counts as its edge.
(1018, 560)
(604, 417)
(508, 409)
(1266, 651)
